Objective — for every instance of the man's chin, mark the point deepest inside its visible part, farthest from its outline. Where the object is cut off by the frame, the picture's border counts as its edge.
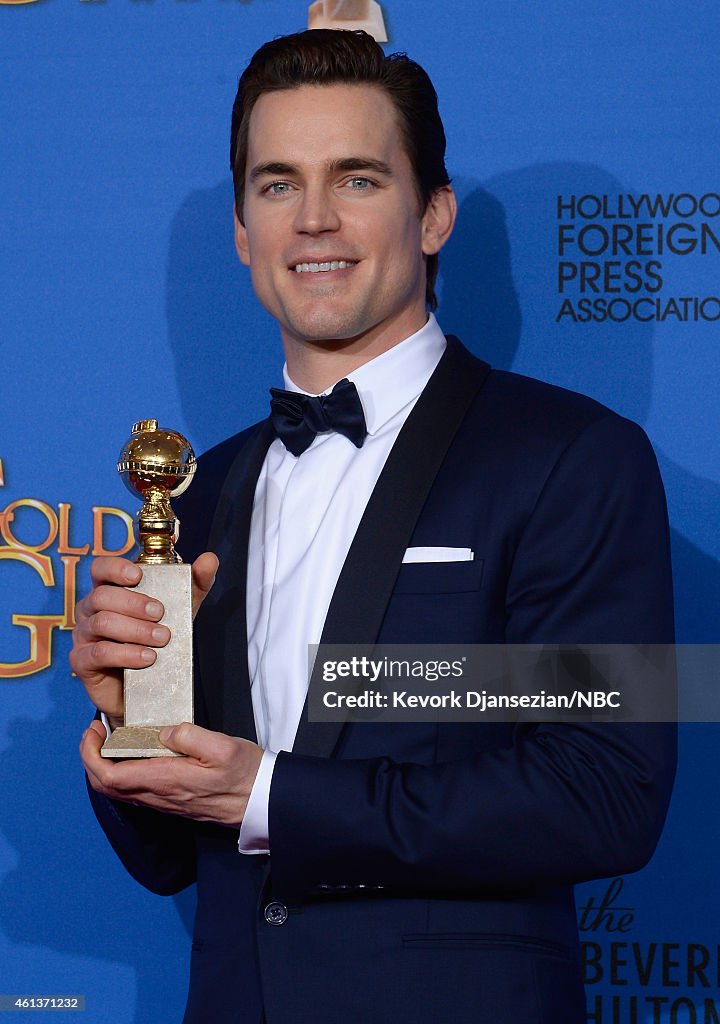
(328, 334)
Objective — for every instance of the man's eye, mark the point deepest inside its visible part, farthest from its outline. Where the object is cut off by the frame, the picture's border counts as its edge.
(360, 184)
(277, 188)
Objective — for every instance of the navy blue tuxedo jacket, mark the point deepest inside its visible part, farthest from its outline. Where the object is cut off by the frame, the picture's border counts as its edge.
(423, 872)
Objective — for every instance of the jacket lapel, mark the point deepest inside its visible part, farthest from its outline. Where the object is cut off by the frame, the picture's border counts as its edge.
(222, 618)
(368, 576)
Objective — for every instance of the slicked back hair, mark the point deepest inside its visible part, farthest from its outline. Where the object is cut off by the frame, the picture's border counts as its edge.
(329, 57)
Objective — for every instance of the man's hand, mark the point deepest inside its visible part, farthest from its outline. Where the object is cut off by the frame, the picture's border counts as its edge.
(118, 628)
(212, 783)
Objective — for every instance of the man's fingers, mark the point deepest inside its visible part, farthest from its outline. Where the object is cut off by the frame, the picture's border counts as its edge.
(90, 746)
(111, 569)
(103, 656)
(212, 783)
(108, 625)
(204, 570)
(117, 628)
(99, 736)
(120, 600)
(121, 781)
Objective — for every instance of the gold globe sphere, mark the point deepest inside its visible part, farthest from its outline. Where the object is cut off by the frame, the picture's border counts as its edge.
(156, 457)
(156, 464)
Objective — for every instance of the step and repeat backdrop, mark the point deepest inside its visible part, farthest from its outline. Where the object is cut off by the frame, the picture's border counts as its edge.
(583, 144)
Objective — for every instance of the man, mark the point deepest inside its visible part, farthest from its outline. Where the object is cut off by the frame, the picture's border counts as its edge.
(385, 872)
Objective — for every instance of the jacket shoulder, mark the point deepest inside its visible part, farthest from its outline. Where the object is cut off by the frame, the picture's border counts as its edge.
(517, 407)
(551, 410)
(539, 422)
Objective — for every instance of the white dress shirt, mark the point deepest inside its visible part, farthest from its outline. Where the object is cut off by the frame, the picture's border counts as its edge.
(305, 515)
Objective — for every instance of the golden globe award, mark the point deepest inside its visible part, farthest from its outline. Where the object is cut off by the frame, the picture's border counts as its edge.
(350, 15)
(158, 464)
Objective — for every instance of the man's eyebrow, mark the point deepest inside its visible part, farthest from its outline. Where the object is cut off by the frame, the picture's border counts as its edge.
(361, 163)
(349, 163)
(273, 167)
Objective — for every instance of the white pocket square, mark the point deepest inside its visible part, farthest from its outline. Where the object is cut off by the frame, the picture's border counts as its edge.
(438, 555)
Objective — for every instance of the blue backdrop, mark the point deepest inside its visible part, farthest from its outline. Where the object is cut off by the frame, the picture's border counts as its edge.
(583, 142)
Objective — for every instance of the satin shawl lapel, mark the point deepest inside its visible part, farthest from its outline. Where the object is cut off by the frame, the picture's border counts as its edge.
(368, 576)
(222, 619)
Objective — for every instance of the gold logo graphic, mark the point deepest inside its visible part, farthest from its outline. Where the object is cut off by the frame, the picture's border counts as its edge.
(35, 556)
(349, 14)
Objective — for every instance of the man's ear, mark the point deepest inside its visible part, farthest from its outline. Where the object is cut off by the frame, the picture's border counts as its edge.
(438, 220)
(241, 240)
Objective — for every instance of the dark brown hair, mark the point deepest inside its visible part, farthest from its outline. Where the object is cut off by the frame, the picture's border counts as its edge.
(326, 57)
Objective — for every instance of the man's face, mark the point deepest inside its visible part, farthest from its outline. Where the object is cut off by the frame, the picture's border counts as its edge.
(333, 233)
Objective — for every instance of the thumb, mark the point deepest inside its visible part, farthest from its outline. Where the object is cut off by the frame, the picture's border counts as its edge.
(188, 739)
(204, 570)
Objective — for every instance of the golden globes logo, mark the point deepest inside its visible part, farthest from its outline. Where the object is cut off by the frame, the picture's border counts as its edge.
(55, 529)
(350, 15)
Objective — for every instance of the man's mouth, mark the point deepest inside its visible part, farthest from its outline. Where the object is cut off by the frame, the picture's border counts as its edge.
(323, 268)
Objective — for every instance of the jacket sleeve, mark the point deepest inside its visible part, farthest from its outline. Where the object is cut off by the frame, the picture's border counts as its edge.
(158, 850)
(557, 803)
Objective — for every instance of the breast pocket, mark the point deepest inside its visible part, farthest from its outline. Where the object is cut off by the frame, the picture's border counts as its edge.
(440, 577)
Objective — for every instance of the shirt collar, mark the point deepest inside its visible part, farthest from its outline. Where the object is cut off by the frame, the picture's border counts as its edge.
(395, 378)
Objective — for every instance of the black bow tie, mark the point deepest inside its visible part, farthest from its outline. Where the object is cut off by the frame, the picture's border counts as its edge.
(298, 419)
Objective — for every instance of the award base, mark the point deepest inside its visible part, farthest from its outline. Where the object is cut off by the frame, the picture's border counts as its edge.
(162, 693)
(136, 741)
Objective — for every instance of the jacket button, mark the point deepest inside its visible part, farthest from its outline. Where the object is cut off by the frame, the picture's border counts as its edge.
(276, 913)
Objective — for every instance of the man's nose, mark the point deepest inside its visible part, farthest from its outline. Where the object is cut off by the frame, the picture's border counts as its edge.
(317, 212)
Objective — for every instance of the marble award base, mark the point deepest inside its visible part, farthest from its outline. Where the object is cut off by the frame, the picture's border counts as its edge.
(136, 741)
(161, 694)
